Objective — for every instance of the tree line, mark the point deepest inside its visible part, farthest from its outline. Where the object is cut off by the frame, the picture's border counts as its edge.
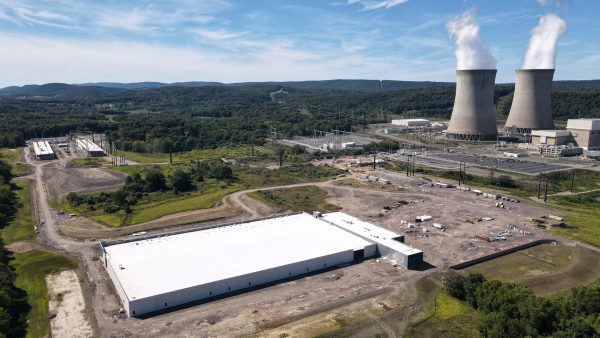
(184, 118)
(512, 310)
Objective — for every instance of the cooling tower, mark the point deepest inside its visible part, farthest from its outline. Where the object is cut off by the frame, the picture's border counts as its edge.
(473, 115)
(531, 106)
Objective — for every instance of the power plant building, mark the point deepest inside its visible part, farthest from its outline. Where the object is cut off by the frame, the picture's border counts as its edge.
(551, 137)
(90, 148)
(473, 115)
(585, 132)
(158, 273)
(43, 151)
(531, 107)
(411, 123)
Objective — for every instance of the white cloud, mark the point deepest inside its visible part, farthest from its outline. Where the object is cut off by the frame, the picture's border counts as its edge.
(79, 61)
(216, 35)
(376, 4)
(544, 2)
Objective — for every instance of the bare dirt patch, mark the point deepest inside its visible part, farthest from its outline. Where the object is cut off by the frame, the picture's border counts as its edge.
(61, 181)
(67, 305)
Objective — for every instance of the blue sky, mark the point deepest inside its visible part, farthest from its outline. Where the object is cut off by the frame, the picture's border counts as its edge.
(77, 41)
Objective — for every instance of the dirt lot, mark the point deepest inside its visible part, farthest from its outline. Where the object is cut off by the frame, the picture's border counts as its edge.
(60, 181)
(66, 302)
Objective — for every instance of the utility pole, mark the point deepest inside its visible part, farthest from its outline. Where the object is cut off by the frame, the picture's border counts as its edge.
(539, 185)
(407, 164)
(413, 165)
(459, 173)
(572, 180)
(546, 190)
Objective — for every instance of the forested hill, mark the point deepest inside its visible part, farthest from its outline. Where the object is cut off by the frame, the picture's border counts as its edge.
(103, 88)
(57, 89)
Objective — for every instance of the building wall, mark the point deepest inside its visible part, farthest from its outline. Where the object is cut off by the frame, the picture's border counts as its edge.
(586, 138)
(164, 301)
(120, 292)
(399, 258)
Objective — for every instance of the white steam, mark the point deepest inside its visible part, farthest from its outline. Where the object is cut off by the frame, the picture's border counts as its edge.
(471, 52)
(541, 52)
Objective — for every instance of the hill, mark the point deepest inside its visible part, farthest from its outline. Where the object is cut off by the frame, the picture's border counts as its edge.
(57, 89)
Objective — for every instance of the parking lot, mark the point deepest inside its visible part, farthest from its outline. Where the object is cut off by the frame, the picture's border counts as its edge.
(518, 165)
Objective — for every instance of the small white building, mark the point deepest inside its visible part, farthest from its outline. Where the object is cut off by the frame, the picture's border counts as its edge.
(91, 148)
(411, 123)
(43, 151)
(550, 137)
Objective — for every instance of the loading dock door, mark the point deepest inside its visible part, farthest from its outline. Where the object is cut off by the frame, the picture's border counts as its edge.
(359, 255)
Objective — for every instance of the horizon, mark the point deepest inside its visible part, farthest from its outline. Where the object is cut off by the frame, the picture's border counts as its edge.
(232, 42)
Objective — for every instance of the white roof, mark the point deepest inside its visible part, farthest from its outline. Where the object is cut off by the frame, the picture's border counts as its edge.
(42, 148)
(159, 265)
(551, 133)
(88, 145)
(369, 230)
(585, 124)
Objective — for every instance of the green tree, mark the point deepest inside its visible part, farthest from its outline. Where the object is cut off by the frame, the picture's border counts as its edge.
(5, 172)
(181, 181)
(155, 181)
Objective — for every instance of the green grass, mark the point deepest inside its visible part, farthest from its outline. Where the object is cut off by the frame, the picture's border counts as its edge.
(31, 268)
(583, 213)
(520, 265)
(161, 204)
(198, 200)
(199, 154)
(254, 177)
(21, 228)
(449, 317)
(309, 199)
(144, 157)
(13, 157)
(447, 307)
(91, 161)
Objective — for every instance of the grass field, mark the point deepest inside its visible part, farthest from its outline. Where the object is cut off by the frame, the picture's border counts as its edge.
(253, 177)
(21, 228)
(198, 154)
(545, 269)
(309, 199)
(13, 157)
(583, 214)
(209, 194)
(31, 268)
(532, 262)
(448, 318)
(91, 161)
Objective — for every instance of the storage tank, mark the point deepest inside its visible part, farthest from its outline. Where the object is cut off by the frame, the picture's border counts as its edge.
(474, 115)
(532, 102)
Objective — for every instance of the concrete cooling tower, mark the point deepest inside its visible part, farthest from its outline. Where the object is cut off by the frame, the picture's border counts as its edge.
(531, 106)
(474, 115)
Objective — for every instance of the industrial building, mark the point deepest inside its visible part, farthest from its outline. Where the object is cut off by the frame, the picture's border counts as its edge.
(531, 107)
(585, 132)
(551, 137)
(473, 115)
(158, 273)
(332, 141)
(411, 123)
(43, 151)
(90, 148)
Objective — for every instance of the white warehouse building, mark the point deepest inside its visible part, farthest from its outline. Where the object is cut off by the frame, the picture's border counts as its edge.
(411, 123)
(158, 273)
(91, 148)
(43, 151)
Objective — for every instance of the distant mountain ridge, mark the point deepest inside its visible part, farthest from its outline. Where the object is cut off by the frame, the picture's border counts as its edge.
(104, 88)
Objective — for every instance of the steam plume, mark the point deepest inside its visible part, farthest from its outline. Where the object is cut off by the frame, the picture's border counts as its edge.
(541, 52)
(471, 52)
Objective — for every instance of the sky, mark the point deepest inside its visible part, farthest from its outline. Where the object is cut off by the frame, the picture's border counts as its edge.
(78, 41)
